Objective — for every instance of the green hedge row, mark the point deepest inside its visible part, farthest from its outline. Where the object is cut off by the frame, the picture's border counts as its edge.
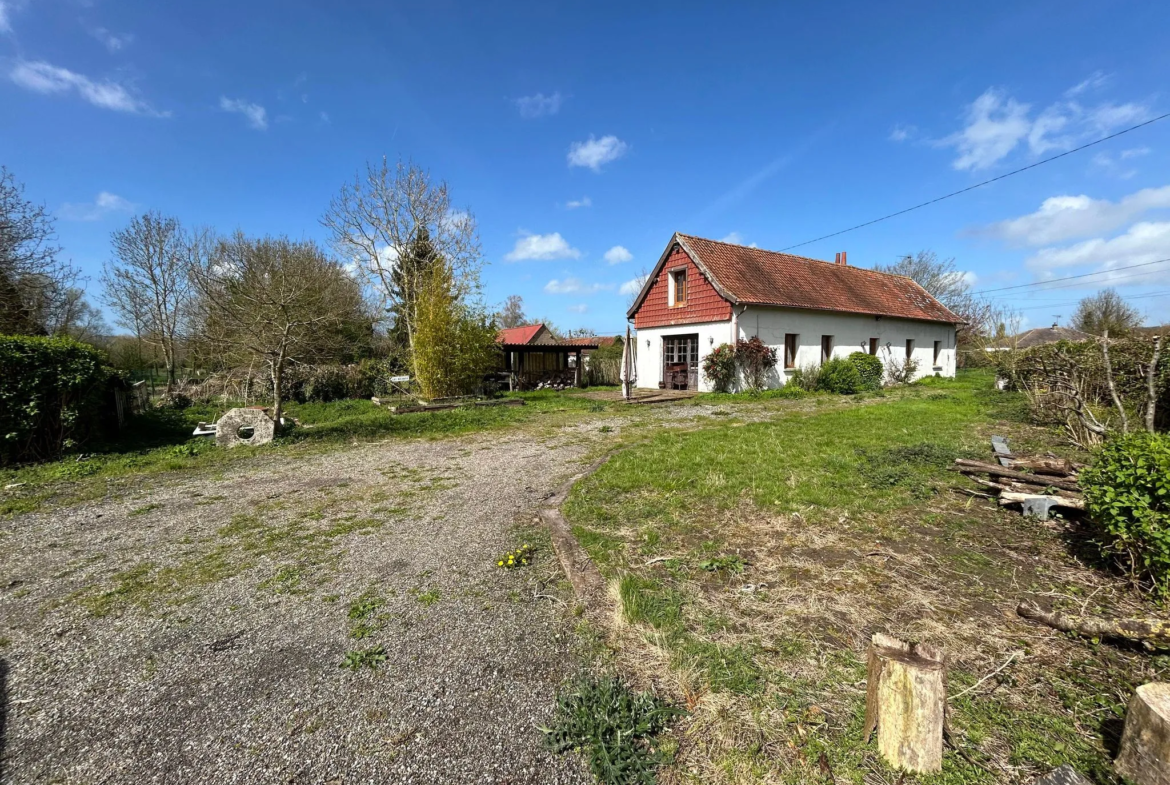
(55, 394)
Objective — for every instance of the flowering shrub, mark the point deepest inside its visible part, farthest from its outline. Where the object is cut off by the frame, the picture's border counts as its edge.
(719, 367)
(755, 358)
(517, 558)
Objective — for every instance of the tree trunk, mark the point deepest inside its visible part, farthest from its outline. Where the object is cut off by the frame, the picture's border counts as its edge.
(906, 696)
(277, 390)
(1112, 387)
(1060, 467)
(1152, 385)
(1145, 743)
(966, 465)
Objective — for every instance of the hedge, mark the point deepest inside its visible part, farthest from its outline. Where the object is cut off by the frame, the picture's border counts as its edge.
(55, 394)
(1127, 495)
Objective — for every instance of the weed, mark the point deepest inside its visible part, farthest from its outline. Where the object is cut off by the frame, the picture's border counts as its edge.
(613, 727)
(429, 597)
(515, 559)
(370, 658)
(287, 580)
(143, 510)
(730, 564)
(363, 607)
(605, 429)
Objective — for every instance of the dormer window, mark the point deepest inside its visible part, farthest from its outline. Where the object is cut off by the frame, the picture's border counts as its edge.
(678, 287)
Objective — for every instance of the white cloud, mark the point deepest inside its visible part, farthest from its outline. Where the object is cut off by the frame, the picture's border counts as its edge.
(997, 124)
(539, 105)
(5, 23)
(103, 205)
(902, 132)
(42, 77)
(1095, 80)
(255, 114)
(595, 153)
(618, 254)
(542, 246)
(1062, 218)
(111, 41)
(579, 308)
(1142, 242)
(574, 286)
(634, 285)
(324, 117)
(735, 238)
(584, 201)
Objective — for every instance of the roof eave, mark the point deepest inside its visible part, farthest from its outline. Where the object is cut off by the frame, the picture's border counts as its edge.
(677, 238)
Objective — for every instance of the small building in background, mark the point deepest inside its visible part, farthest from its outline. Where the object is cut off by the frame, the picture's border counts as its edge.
(534, 358)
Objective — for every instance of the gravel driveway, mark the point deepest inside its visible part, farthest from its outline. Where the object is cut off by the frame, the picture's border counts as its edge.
(196, 632)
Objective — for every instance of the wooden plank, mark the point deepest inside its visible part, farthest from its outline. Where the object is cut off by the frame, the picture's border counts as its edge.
(1007, 497)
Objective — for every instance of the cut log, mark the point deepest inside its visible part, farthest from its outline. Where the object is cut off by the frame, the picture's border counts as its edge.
(1145, 742)
(1152, 632)
(1008, 497)
(906, 698)
(1055, 466)
(965, 465)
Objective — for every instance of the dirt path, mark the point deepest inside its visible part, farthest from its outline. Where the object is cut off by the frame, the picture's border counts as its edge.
(195, 633)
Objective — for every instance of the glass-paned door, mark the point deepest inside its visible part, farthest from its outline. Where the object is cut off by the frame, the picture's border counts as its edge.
(680, 362)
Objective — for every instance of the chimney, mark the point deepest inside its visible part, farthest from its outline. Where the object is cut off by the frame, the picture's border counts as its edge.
(841, 258)
(838, 259)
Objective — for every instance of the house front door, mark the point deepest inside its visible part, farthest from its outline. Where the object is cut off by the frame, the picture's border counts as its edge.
(680, 362)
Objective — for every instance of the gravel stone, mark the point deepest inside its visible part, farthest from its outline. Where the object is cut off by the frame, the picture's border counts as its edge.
(236, 678)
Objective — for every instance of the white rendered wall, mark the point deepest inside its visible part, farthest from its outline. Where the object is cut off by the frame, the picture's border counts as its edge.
(851, 333)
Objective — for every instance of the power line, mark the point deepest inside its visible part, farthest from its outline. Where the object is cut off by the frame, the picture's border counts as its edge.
(1071, 277)
(980, 185)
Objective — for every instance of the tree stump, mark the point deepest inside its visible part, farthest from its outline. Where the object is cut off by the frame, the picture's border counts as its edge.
(1145, 742)
(906, 697)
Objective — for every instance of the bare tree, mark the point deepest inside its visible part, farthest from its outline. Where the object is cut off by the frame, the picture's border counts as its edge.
(951, 287)
(512, 314)
(1106, 312)
(388, 211)
(147, 285)
(34, 280)
(77, 318)
(275, 300)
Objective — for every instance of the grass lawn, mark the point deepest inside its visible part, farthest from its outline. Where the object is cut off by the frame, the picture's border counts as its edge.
(160, 441)
(751, 563)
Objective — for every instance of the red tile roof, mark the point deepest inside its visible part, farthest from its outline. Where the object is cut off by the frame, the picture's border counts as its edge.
(757, 277)
(522, 334)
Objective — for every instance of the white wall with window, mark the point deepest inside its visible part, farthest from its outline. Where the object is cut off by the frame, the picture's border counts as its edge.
(800, 337)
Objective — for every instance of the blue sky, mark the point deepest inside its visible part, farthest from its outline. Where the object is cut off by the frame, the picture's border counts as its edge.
(581, 136)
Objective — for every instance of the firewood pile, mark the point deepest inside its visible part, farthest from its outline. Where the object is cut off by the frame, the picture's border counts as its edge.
(1037, 483)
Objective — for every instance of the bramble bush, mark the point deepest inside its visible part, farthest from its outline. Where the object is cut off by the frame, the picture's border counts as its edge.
(869, 369)
(54, 396)
(1127, 496)
(720, 368)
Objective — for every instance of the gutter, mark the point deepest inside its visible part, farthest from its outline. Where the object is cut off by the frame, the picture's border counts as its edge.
(735, 324)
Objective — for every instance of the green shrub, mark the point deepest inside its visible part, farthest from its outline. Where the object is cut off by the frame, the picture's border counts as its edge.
(806, 378)
(54, 396)
(1127, 495)
(613, 727)
(869, 368)
(840, 376)
(720, 368)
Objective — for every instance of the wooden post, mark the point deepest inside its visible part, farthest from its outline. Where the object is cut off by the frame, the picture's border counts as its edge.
(1145, 742)
(906, 696)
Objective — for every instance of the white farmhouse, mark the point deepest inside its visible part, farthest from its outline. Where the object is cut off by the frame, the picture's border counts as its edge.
(703, 293)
